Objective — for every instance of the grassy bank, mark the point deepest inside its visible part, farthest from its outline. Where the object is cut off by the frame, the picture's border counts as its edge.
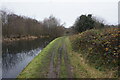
(76, 57)
(38, 67)
(47, 63)
(12, 39)
(99, 49)
(80, 68)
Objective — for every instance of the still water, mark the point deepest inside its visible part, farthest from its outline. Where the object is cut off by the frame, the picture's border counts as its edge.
(16, 55)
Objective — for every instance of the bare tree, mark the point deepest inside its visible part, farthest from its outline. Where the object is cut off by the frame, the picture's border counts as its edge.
(16, 26)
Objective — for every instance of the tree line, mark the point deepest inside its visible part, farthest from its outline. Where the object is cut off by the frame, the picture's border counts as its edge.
(16, 26)
(86, 22)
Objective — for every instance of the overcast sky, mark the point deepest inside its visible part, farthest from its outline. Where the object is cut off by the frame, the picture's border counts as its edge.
(65, 10)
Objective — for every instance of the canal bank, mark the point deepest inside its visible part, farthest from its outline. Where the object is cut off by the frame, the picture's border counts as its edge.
(53, 62)
(58, 60)
(16, 55)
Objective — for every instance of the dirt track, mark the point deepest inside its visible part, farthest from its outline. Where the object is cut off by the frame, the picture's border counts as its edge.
(59, 59)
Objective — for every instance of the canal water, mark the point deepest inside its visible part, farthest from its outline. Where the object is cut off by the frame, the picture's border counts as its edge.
(16, 55)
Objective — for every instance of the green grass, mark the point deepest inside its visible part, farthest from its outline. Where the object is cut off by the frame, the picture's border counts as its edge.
(39, 66)
(63, 72)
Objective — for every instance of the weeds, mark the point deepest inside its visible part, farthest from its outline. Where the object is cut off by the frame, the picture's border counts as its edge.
(99, 46)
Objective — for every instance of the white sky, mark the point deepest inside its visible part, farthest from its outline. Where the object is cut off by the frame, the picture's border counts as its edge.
(65, 10)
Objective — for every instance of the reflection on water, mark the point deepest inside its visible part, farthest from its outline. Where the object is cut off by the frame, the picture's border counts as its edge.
(17, 55)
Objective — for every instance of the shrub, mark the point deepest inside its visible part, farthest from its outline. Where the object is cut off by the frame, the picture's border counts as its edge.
(84, 23)
(99, 47)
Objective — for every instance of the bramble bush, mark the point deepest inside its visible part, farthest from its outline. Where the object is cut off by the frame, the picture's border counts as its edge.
(100, 47)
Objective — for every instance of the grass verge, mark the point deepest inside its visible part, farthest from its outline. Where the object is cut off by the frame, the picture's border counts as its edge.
(39, 66)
